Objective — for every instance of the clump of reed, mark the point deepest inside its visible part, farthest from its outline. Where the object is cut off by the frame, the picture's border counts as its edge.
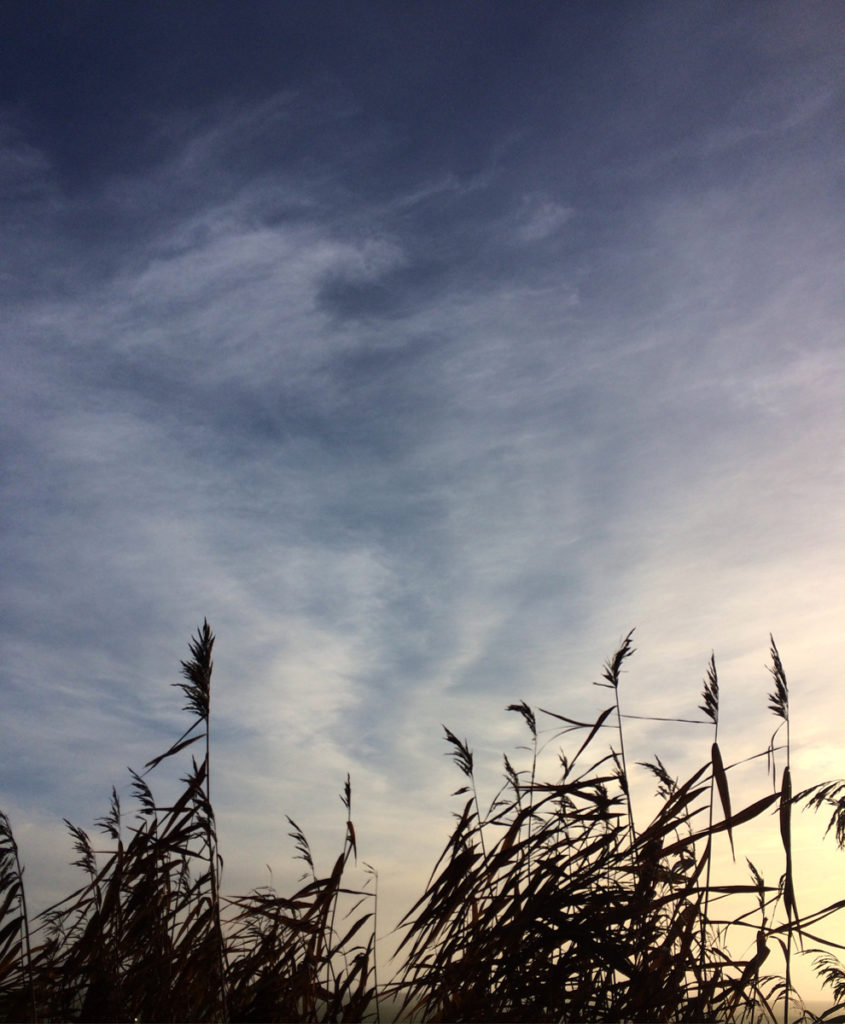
(553, 903)
(148, 937)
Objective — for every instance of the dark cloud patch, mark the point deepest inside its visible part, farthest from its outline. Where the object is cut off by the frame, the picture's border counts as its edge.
(390, 297)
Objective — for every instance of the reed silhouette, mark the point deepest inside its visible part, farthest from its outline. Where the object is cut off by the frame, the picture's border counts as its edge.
(552, 904)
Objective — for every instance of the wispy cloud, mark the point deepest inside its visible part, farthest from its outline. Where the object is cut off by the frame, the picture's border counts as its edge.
(418, 440)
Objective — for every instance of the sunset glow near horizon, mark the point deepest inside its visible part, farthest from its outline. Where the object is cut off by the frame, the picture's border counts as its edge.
(424, 349)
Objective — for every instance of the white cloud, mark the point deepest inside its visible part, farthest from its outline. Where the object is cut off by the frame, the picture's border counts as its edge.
(542, 218)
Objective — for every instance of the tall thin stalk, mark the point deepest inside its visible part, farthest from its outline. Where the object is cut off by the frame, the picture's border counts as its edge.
(197, 689)
(531, 721)
(462, 756)
(710, 707)
(372, 871)
(779, 706)
(611, 672)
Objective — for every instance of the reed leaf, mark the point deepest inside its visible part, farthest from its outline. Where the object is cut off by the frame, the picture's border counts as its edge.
(785, 821)
(720, 775)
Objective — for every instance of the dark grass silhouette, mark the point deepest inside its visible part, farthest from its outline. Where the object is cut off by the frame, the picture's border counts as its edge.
(551, 905)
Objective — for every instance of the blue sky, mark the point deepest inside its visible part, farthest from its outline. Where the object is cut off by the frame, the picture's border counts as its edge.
(425, 349)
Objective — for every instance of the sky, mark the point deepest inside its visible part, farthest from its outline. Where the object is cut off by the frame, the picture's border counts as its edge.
(425, 349)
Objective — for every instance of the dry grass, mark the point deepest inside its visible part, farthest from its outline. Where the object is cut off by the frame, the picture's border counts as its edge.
(552, 904)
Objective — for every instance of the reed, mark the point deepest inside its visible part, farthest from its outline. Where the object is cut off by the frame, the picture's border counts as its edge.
(17, 989)
(549, 904)
(611, 922)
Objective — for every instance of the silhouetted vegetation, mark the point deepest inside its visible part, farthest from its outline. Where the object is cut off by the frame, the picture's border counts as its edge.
(550, 905)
